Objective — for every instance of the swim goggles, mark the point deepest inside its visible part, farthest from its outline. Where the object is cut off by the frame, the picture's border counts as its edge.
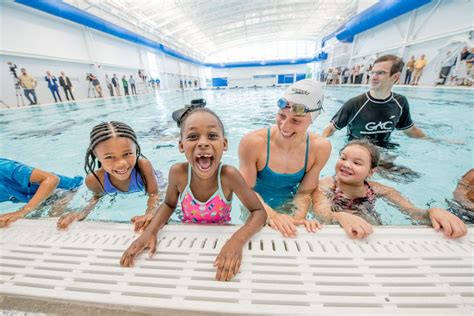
(299, 109)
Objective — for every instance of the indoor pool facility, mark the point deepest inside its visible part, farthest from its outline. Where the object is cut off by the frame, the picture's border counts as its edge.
(209, 157)
(59, 139)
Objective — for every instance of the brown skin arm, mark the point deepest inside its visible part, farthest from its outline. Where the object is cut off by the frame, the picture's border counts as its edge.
(464, 193)
(176, 176)
(94, 186)
(47, 184)
(230, 257)
(142, 221)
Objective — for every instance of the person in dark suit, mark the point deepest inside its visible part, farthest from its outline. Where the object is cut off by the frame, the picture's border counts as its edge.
(66, 84)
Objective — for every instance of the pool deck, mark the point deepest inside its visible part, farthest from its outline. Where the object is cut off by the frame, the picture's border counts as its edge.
(409, 270)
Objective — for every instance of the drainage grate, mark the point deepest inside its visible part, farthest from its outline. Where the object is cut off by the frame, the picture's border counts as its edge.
(410, 270)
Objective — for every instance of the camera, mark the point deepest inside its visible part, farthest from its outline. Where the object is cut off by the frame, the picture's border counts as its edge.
(12, 68)
(89, 77)
(178, 115)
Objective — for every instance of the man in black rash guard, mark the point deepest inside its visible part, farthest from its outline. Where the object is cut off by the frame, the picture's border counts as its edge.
(378, 112)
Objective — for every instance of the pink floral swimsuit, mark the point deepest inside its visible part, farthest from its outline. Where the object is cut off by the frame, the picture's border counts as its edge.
(216, 210)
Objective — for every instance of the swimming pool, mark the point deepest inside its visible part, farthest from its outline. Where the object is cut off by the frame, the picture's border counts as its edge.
(55, 137)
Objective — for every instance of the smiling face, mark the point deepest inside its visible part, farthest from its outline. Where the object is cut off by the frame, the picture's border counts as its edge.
(203, 143)
(354, 165)
(380, 79)
(118, 156)
(292, 125)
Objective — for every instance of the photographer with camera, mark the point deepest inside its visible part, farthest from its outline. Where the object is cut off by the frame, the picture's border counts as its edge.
(29, 84)
(179, 114)
(96, 83)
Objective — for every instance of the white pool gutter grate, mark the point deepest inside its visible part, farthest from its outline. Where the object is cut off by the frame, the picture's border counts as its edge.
(409, 270)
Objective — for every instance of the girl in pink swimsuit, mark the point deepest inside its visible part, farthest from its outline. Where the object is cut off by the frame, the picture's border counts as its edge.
(204, 188)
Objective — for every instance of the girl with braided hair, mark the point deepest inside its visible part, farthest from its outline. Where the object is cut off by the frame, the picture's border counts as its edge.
(122, 168)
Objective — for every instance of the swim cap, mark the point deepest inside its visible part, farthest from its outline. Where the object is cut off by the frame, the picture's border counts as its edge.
(308, 92)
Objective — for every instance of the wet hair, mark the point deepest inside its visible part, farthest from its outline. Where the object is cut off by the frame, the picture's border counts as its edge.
(103, 132)
(186, 115)
(371, 148)
(397, 63)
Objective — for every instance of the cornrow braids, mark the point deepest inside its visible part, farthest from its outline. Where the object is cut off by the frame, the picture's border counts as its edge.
(103, 132)
(187, 114)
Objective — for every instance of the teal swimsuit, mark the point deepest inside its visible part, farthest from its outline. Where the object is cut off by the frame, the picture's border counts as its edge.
(278, 188)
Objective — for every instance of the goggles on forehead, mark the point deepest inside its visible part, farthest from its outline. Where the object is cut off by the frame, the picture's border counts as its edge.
(299, 109)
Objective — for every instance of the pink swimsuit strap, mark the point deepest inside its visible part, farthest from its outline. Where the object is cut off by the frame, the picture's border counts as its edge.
(216, 210)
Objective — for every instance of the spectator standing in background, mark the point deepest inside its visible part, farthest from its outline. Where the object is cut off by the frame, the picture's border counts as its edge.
(132, 85)
(66, 84)
(53, 85)
(410, 68)
(109, 85)
(29, 84)
(125, 85)
(116, 84)
(420, 64)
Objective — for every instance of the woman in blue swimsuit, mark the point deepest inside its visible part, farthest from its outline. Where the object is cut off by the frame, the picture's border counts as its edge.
(282, 163)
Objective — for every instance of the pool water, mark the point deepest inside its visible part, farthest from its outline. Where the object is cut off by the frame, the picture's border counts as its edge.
(55, 138)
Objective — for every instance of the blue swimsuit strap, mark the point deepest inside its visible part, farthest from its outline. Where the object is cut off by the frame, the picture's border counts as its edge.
(268, 150)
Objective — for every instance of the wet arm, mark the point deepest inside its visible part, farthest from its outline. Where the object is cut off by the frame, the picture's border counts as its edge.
(167, 208)
(394, 197)
(310, 181)
(151, 185)
(329, 130)
(47, 184)
(415, 132)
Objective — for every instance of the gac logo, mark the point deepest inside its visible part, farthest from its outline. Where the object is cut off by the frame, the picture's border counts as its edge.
(383, 126)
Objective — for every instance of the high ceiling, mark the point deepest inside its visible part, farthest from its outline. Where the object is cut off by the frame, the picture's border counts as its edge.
(201, 28)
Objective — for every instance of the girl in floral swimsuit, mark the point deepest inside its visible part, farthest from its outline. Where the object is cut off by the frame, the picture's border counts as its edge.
(204, 188)
(348, 198)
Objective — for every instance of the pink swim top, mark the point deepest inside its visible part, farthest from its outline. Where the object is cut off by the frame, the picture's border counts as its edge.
(216, 210)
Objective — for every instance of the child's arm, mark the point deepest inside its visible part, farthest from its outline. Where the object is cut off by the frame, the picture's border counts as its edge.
(453, 227)
(148, 238)
(93, 185)
(229, 259)
(47, 183)
(142, 221)
(464, 193)
(354, 226)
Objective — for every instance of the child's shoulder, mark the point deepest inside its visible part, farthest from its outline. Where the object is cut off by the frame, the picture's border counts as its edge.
(94, 184)
(229, 171)
(179, 169)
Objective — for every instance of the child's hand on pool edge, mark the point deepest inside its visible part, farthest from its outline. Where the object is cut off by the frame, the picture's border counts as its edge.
(311, 226)
(146, 240)
(141, 222)
(228, 261)
(8, 218)
(453, 226)
(355, 226)
(66, 219)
